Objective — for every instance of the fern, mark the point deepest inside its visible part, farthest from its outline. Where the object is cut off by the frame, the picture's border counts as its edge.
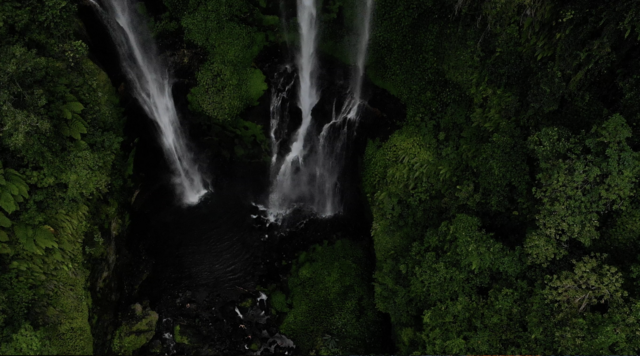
(74, 107)
(13, 190)
(3, 236)
(4, 220)
(67, 227)
(75, 125)
(44, 238)
(7, 202)
(24, 234)
(5, 249)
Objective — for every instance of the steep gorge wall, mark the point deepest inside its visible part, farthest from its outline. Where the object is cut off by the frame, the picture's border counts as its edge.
(64, 178)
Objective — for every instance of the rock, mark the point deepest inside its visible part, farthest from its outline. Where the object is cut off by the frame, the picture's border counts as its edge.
(180, 336)
(155, 347)
(247, 303)
(136, 330)
(137, 308)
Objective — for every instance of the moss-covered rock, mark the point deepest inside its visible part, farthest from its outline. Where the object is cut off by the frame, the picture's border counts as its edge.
(136, 331)
(180, 336)
(254, 346)
(247, 303)
(279, 302)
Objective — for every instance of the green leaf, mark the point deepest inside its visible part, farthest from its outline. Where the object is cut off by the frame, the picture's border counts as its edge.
(57, 256)
(70, 97)
(30, 246)
(7, 202)
(4, 220)
(77, 117)
(76, 128)
(35, 268)
(23, 189)
(79, 124)
(5, 249)
(65, 130)
(44, 238)
(3, 236)
(13, 172)
(66, 114)
(12, 188)
(23, 232)
(74, 107)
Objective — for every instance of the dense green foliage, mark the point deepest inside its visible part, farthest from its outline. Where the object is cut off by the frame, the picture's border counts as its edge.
(137, 329)
(505, 209)
(232, 33)
(229, 35)
(60, 135)
(332, 309)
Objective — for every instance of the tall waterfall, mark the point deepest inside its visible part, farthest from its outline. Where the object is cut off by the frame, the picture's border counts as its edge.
(152, 88)
(309, 174)
(333, 142)
(363, 44)
(289, 186)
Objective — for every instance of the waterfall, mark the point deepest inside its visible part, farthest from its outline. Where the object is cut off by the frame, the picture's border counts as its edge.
(152, 87)
(279, 116)
(334, 137)
(310, 172)
(363, 45)
(289, 186)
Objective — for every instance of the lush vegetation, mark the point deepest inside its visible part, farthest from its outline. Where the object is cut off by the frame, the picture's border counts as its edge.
(61, 170)
(229, 35)
(227, 81)
(331, 302)
(505, 209)
(136, 330)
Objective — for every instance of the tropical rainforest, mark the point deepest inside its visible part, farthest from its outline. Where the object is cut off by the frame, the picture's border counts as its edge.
(501, 206)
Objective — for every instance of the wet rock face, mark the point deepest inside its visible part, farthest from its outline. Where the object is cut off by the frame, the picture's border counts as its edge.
(138, 327)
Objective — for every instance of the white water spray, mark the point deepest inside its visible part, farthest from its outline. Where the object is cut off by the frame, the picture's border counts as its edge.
(333, 138)
(308, 97)
(287, 186)
(279, 117)
(309, 174)
(152, 88)
(363, 45)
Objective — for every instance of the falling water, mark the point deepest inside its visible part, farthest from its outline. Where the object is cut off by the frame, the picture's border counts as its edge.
(363, 45)
(152, 88)
(310, 173)
(279, 109)
(288, 187)
(334, 136)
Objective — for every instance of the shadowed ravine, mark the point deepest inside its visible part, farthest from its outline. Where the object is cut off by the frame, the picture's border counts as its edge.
(211, 255)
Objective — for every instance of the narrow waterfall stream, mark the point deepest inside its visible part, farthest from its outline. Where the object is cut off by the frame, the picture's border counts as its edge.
(363, 44)
(308, 175)
(333, 142)
(289, 187)
(152, 87)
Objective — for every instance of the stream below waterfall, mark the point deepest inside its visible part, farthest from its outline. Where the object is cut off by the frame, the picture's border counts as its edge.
(195, 265)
